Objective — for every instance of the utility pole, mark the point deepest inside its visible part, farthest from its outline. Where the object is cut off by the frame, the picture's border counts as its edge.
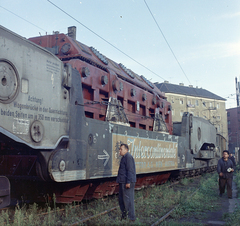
(238, 109)
(237, 90)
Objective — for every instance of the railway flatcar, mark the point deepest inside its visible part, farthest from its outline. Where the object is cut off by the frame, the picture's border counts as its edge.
(65, 110)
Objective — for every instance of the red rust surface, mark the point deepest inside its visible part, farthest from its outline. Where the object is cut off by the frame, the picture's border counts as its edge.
(151, 180)
(104, 189)
(148, 97)
(69, 195)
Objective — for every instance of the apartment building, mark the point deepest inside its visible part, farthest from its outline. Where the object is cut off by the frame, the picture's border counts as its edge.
(197, 101)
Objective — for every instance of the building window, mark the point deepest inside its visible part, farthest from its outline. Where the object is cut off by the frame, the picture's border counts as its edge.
(181, 100)
(218, 117)
(181, 113)
(229, 122)
(196, 102)
(172, 100)
(189, 102)
(172, 111)
(205, 114)
(228, 114)
(210, 104)
(218, 105)
(204, 104)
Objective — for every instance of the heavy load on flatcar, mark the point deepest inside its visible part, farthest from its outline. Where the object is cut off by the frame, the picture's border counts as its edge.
(65, 110)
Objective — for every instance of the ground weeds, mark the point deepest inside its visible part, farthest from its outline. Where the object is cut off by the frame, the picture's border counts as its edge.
(233, 219)
(150, 205)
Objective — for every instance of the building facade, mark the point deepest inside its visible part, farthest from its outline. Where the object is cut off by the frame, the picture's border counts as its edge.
(197, 101)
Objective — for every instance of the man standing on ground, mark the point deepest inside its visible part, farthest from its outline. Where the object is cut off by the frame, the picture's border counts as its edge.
(225, 171)
(126, 179)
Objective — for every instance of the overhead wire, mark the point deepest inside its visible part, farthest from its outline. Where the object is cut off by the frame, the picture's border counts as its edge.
(230, 96)
(143, 117)
(105, 40)
(166, 41)
(23, 18)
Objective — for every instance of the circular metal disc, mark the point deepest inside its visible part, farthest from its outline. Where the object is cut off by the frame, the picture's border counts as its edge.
(36, 131)
(9, 82)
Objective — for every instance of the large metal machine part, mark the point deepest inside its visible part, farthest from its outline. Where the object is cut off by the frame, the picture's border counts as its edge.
(107, 83)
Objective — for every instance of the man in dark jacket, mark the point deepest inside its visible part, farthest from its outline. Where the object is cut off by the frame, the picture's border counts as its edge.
(225, 170)
(126, 179)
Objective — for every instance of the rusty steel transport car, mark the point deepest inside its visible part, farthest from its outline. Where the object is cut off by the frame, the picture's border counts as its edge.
(65, 108)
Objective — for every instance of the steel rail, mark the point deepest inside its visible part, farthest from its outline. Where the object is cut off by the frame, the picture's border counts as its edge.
(169, 213)
(91, 217)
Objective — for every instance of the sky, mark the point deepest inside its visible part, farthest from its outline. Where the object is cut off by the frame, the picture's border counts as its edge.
(194, 42)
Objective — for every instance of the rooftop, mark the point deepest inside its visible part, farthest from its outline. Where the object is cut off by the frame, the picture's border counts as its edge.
(167, 87)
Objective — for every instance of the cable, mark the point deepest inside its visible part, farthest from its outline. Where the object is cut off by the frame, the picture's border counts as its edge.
(105, 40)
(167, 42)
(230, 96)
(22, 18)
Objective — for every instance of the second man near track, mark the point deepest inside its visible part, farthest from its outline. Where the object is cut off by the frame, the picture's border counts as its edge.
(225, 170)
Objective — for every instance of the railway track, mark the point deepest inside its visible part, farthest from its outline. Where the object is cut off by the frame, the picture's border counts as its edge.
(152, 205)
(89, 220)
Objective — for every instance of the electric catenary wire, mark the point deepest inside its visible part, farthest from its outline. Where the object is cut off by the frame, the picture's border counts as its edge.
(105, 40)
(167, 42)
(22, 18)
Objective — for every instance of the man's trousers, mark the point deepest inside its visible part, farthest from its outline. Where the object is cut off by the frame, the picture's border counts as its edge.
(222, 184)
(126, 200)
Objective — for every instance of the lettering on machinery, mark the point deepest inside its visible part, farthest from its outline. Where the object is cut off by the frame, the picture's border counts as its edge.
(35, 110)
(149, 154)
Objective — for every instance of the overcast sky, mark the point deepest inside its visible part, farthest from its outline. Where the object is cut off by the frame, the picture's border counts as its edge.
(195, 42)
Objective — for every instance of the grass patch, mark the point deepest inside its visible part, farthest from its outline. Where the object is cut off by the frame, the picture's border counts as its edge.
(184, 181)
(197, 207)
(233, 219)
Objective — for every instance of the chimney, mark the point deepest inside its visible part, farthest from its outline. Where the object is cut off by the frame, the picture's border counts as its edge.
(166, 81)
(191, 86)
(72, 32)
(181, 84)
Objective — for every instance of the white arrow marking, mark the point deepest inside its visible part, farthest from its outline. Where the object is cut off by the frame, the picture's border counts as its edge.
(106, 156)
